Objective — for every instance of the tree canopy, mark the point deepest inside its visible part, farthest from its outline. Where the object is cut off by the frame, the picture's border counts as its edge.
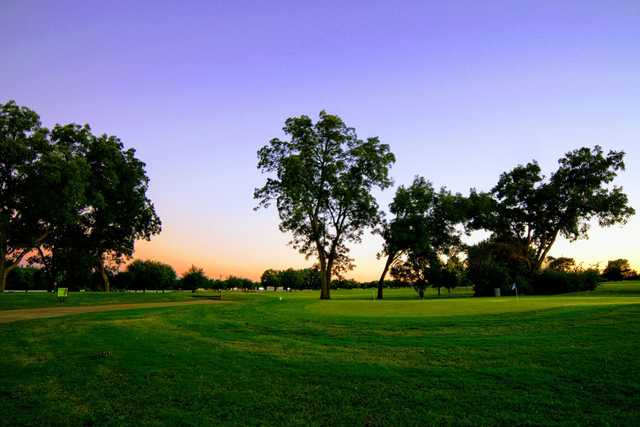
(529, 212)
(42, 185)
(321, 180)
(68, 190)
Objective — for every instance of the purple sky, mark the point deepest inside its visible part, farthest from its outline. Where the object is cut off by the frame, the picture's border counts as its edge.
(460, 90)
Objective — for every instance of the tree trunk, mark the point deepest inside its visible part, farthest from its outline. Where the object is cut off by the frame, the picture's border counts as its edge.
(3, 276)
(325, 283)
(384, 273)
(105, 277)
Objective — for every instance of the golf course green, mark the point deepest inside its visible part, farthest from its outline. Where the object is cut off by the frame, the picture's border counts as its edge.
(291, 359)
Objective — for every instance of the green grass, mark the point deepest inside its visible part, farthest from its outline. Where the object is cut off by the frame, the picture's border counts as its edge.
(561, 360)
(17, 300)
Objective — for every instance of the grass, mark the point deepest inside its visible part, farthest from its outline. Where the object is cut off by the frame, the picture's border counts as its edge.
(562, 360)
(18, 300)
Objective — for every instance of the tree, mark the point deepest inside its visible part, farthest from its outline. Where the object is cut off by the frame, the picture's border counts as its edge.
(151, 275)
(618, 269)
(413, 209)
(494, 264)
(290, 279)
(193, 279)
(322, 180)
(117, 211)
(529, 212)
(270, 278)
(42, 185)
(437, 241)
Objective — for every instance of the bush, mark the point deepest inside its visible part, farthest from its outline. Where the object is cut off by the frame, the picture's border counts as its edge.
(550, 282)
(26, 278)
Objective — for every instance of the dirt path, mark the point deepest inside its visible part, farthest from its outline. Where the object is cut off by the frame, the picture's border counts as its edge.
(7, 316)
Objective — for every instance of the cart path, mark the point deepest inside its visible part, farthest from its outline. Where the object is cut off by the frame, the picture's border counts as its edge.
(7, 316)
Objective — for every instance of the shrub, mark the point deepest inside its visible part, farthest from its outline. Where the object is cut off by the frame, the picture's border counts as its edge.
(550, 282)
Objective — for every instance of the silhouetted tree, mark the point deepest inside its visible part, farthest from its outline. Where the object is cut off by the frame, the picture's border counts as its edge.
(270, 278)
(618, 269)
(322, 180)
(151, 275)
(193, 279)
(529, 213)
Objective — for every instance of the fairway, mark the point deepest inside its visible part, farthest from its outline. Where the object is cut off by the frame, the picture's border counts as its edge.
(290, 359)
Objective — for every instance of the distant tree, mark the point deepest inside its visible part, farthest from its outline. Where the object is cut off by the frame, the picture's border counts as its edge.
(322, 182)
(151, 275)
(241, 283)
(193, 279)
(529, 213)
(42, 186)
(618, 269)
(270, 278)
(563, 264)
(291, 279)
(310, 278)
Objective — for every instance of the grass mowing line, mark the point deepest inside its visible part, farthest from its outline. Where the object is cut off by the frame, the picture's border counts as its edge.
(8, 316)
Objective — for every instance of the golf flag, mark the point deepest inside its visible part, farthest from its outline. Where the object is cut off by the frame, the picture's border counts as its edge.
(514, 287)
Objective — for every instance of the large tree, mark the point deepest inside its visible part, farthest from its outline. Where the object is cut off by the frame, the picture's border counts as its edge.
(116, 210)
(42, 186)
(529, 212)
(322, 178)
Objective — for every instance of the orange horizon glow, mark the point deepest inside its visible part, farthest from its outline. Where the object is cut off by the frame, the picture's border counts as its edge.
(220, 264)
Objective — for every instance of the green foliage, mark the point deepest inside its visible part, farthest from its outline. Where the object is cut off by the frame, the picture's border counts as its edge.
(68, 193)
(423, 241)
(321, 180)
(493, 264)
(117, 211)
(42, 185)
(145, 275)
(550, 282)
(234, 282)
(528, 212)
(26, 278)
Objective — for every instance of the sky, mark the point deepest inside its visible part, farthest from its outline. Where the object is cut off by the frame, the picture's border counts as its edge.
(460, 90)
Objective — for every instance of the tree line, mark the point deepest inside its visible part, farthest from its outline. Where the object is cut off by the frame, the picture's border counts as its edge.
(73, 203)
(322, 176)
